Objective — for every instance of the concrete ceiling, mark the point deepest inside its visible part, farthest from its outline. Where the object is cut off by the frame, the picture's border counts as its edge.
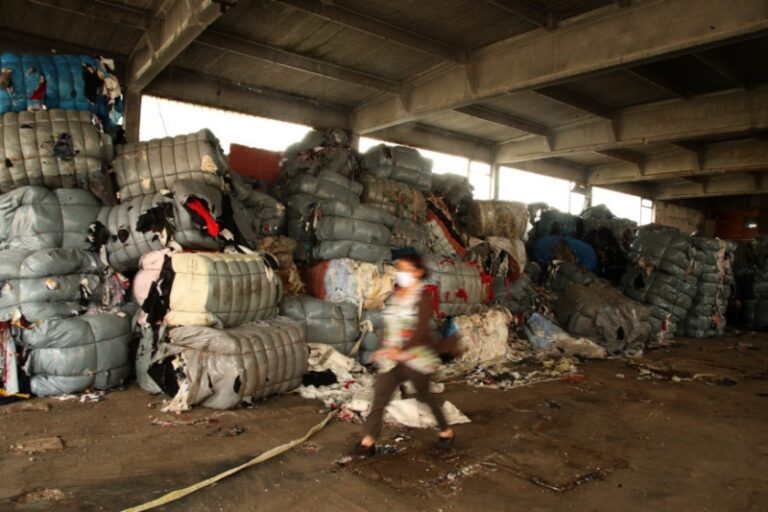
(667, 98)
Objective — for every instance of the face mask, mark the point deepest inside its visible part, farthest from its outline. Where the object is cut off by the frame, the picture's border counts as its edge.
(404, 279)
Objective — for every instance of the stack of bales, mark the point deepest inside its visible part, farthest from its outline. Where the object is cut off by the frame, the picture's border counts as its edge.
(62, 328)
(714, 275)
(661, 275)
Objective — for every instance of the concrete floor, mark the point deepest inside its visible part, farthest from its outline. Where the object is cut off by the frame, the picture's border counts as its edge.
(609, 442)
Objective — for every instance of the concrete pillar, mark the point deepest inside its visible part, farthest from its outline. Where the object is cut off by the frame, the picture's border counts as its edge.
(132, 115)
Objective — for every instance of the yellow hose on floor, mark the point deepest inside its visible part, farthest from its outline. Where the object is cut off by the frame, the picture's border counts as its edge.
(274, 452)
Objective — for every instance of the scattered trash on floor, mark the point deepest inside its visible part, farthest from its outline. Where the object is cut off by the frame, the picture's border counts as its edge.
(42, 445)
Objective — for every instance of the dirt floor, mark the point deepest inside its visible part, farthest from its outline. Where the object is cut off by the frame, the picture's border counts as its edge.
(626, 437)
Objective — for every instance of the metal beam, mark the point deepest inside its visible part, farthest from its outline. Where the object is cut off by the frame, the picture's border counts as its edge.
(505, 120)
(660, 82)
(529, 11)
(378, 28)
(566, 97)
(603, 40)
(435, 139)
(256, 50)
(167, 37)
(194, 87)
(734, 112)
(110, 12)
(731, 185)
(730, 157)
(724, 67)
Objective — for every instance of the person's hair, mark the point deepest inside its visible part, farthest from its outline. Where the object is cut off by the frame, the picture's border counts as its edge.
(417, 262)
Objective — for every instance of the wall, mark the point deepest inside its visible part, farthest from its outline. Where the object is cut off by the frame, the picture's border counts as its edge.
(687, 220)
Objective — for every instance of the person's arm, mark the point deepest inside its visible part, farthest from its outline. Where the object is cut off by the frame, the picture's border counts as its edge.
(422, 334)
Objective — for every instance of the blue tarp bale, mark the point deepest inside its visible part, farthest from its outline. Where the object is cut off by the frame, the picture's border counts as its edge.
(585, 254)
(66, 86)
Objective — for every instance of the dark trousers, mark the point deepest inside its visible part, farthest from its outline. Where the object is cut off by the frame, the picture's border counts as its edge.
(386, 385)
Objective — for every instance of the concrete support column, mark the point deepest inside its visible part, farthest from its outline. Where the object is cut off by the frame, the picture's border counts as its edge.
(132, 115)
(495, 171)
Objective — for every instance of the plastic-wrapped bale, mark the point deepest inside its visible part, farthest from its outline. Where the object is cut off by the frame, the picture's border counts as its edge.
(70, 355)
(445, 237)
(187, 215)
(611, 257)
(352, 231)
(396, 198)
(517, 296)
(71, 82)
(555, 222)
(499, 257)
(483, 336)
(399, 163)
(214, 289)
(670, 297)
(372, 325)
(266, 214)
(282, 248)
(39, 218)
(565, 274)
(52, 148)
(662, 248)
(149, 167)
(224, 368)
(755, 308)
(321, 150)
(300, 192)
(367, 285)
(408, 234)
(712, 269)
(605, 315)
(49, 283)
(599, 217)
(324, 322)
(456, 287)
(564, 248)
(498, 218)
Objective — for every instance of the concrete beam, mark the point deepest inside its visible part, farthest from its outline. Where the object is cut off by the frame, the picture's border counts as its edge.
(503, 119)
(252, 49)
(724, 67)
(659, 81)
(116, 13)
(735, 112)
(211, 91)
(716, 159)
(603, 40)
(626, 155)
(167, 37)
(561, 95)
(555, 168)
(529, 11)
(132, 115)
(731, 185)
(378, 28)
(435, 139)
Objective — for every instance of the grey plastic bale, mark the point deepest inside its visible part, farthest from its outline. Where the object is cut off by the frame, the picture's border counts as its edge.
(127, 243)
(565, 274)
(49, 283)
(321, 150)
(73, 354)
(222, 289)
(395, 198)
(52, 148)
(143, 168)
(665, 249)
(605, 315)
(224, 368)
(712, 268)
(266, 215)
(352, 231)
(518, 296)
(458, 286)
(332, 324)
(408, 234)
(39, 218)
(325, 185)
(401, 164)
(371, 341)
